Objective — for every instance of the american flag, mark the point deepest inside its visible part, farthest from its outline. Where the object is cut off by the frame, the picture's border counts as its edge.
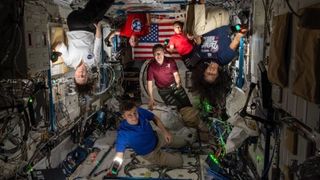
(159, 32)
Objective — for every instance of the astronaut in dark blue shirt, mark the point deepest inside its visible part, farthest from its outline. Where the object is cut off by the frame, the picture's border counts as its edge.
(136, 132)
(210, 76)
(215, 50)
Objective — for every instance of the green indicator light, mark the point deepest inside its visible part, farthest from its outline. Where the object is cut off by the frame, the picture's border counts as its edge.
(238, 27)
(214, 159)
(30, 169)
(259, 158)
(30, 100)
(206, 105)
(114, 172)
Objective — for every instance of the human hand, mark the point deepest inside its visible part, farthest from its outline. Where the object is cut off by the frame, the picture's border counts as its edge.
(197, 40)
(167, 136)
(190, 36)
(98, 25)
(151, 104)
(242, 32)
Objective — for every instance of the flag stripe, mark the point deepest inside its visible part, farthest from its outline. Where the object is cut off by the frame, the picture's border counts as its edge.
(160, 30)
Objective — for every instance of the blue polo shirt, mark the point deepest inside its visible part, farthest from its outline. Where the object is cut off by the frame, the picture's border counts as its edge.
(141, 137)
(216, 46)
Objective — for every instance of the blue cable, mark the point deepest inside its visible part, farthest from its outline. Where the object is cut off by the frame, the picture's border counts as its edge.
(240, 78)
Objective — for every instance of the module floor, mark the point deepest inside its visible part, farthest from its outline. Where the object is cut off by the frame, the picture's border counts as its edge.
(193, 168)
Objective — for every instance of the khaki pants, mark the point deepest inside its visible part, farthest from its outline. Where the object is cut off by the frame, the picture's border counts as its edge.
(190, 117)
(201, 20)
(171, 160)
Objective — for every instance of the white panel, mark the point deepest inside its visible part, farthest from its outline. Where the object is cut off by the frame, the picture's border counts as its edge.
(257, 42)
(301, 109)
(313, 116)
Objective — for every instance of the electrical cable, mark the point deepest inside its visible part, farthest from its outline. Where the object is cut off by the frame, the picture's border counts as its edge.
(265, 172)
(291, 9)
(111, 77)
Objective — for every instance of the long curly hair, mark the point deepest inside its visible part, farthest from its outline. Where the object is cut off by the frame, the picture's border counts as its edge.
(214, 92)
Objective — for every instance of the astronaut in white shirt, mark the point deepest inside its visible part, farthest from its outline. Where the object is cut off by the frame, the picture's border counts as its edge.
(84, 47)
(83, 51)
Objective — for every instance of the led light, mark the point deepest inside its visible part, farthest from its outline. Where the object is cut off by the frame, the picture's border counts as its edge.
(206, 105)
(259, 158)
(214, 159)
(238, 27)
(116, 165)
(29, 168)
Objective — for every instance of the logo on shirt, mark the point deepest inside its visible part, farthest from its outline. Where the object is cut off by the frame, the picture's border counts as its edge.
(90, 56)
(168, 66)
(210, 44)
(136, 25)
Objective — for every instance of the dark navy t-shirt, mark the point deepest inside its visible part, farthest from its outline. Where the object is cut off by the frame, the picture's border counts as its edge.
(216, 46)
(141, 137)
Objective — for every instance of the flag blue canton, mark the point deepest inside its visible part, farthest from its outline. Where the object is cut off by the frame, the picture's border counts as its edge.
(153, 35)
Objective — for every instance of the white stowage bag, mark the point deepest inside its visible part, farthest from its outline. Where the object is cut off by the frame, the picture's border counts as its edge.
(243, 128)
(235, 139)
(169, 117)
(188, 134)
(172, 120)
(235, 101)
(248, 125)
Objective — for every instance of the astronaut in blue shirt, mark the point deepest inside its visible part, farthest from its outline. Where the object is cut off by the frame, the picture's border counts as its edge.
(216, 49)
(210, 76)
(136, 132)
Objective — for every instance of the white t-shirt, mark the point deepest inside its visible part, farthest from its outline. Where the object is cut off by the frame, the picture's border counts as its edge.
(81, 45)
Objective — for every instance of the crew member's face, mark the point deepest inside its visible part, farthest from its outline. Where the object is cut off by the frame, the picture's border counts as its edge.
(212, 72)
(131, 116)
(133, 41)
(81, 74)
(159, 54)
(177, 28)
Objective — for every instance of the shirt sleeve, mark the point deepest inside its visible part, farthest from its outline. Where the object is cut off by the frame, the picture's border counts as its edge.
(171, 41)
(150, 73)
(174, 66)
(97, 50)
(227, 56)
(147, 114)
(65, 54)
(121, 142)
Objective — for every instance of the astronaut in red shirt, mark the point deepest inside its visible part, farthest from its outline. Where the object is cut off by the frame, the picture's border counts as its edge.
(137, 25)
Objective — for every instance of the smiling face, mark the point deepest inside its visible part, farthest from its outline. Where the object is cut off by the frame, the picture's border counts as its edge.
(212, 72)
(133, 41)
(131, 116)
(81, 74)
(177, 28)
(159, 55)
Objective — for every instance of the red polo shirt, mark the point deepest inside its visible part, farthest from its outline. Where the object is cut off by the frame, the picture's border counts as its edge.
(136, 24)
(181, 43)
(162, 74)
